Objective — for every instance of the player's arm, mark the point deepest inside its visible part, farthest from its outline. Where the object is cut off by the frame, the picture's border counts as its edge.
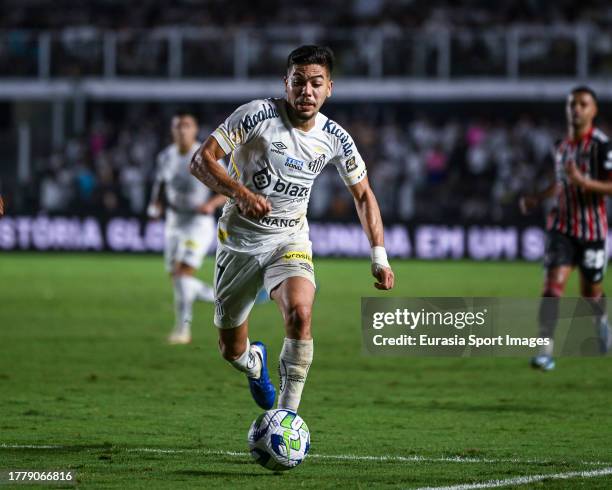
(206, 168)
(371, 221)
(528, 202)
(586, 183)
(156, 207)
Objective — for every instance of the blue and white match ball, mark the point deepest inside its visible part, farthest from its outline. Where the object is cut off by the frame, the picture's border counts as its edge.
(279, 440)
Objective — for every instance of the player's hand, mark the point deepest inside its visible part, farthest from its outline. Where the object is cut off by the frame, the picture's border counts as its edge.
(528, 204)
(154, 210)
(384, 276)
(574, 175)
(206, 208)
(1, 206)
(253, 205)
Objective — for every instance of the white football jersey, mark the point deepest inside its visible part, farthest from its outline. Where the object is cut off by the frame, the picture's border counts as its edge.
(184, 193)
(271, 157)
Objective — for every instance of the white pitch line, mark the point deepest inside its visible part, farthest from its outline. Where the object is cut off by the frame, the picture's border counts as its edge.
(346, 457)
(524, 480)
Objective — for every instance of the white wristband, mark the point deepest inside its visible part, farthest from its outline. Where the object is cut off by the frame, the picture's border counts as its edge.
(379, 256)
(153, 211)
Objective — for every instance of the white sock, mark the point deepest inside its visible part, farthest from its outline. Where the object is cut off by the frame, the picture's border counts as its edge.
(295, 360)
(202, 291)
(184, 296)
(249, 362)
(546, 350)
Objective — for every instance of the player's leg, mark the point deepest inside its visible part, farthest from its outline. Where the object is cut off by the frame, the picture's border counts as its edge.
(181, 331)
(186, 289)
(592, 270)
(559, 259)
(290, 279)
(555, 280)
(238, 279)
(188, 254)
(203, 234)
(294, 297)
(198, 289)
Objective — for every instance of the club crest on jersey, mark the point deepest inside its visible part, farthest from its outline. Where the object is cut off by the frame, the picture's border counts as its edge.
(316, 165)
(262, 178)
(294, 164)
(278, 147)
(351, 165)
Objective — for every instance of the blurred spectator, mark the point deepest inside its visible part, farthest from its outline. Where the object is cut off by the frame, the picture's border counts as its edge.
(463, 168)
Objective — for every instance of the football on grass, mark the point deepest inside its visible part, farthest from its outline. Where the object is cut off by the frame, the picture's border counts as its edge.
(279, 440)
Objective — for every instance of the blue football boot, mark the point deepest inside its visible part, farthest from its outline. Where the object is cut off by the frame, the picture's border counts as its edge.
(262, 389)
(543, 362)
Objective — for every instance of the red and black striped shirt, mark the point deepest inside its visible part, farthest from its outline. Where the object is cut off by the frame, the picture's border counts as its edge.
(578, 213)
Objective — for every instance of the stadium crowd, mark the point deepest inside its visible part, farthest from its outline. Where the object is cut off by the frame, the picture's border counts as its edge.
(463, 169)
(57, 14)
(478, 44)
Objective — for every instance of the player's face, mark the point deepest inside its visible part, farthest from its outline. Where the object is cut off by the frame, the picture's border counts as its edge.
(184, 130)
(581, 109)
(307, 87)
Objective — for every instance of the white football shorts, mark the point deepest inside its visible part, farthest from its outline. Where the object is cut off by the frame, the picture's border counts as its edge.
(239, 277)
(189, 242)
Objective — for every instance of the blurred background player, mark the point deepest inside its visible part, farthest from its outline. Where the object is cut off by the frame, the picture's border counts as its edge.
(278, 147)
(190, 224)
(577, 224)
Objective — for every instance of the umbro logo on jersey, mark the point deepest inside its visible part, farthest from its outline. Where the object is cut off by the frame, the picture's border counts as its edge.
(278, 147)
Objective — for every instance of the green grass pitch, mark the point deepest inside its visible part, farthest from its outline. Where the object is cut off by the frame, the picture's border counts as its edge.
(87, 381)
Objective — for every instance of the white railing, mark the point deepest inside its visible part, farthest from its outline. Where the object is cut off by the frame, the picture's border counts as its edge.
(514, 52)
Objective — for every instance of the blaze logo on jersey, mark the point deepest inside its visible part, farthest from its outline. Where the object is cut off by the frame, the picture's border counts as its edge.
(351, 165)
(293, 190)
(262, 178)
(316, 165)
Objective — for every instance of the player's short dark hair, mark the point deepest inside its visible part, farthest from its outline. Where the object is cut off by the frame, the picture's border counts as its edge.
(311, 55)
(185, 113)
(584, 89)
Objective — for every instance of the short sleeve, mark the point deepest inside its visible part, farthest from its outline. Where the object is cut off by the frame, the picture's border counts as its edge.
(605, 160)
(347, 159)
(160, 167)
(243, 124)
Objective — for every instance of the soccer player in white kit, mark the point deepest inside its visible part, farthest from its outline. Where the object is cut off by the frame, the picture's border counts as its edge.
(190, 224)
(277, 148)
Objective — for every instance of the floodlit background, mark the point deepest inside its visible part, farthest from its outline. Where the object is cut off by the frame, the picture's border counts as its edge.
(454, 106)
